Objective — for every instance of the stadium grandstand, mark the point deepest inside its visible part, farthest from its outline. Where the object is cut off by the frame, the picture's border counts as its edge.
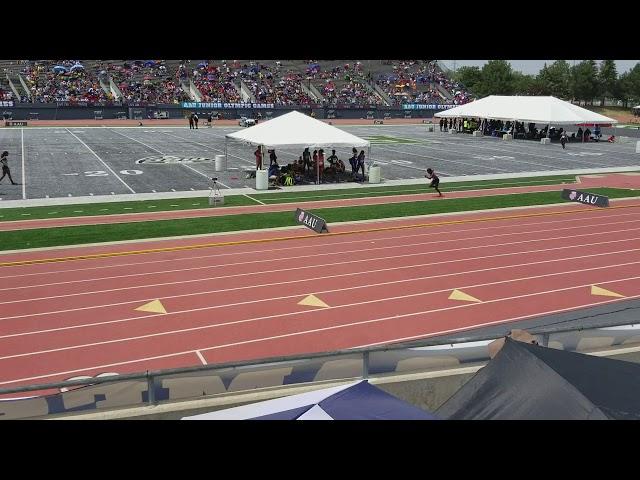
(330, 83)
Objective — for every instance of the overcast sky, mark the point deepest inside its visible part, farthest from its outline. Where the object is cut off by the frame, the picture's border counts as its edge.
(534, 66)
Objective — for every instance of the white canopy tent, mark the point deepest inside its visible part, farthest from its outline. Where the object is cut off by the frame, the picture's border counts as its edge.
(543, 110)
(296, 129)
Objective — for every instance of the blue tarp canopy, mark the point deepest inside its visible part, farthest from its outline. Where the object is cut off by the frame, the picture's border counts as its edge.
(77, 66)
(60, 68)
(354, 401)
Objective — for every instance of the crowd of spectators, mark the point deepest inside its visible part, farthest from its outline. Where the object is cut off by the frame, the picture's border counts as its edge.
(411, 81)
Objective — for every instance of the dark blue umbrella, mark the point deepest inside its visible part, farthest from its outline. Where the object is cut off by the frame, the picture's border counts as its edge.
(60, 68)
(77, 66)
(149, 63)
(202, 65)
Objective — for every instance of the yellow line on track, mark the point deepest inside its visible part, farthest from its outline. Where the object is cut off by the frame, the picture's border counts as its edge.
(280, 239)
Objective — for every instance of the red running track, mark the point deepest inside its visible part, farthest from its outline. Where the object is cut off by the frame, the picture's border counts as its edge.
(237, 302)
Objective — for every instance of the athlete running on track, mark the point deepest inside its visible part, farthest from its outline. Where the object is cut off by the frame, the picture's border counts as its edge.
(435, 180)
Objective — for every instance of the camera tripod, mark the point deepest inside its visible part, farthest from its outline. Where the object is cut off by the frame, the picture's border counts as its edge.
(215, 197)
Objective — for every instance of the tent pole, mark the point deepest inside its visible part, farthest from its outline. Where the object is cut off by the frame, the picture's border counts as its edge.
(225, 151)
(318, 169)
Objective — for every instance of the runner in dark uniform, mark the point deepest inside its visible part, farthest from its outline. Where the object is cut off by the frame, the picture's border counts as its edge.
(5, 167)
(435, 180)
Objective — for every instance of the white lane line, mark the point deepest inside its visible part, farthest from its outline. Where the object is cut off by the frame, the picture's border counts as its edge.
(254, 199)
(288, 256)
(122, 320)
(250, 302)
(336, 307)
(24, 174)
(204, 362)
(431, 334)
(101, 161)
(343, 243)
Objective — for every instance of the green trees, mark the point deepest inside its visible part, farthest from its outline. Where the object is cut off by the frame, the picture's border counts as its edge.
(584, 81)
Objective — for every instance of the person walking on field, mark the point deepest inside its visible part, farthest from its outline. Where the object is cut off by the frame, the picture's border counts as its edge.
(195, 120)
(5, 167)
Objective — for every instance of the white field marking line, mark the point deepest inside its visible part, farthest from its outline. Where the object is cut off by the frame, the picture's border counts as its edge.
(204, 362)
(506, 160)
(204, 327)
(102, 161)
(530, 152)
(24, 178)
(209, 147)
(340, 243)
(288, 257)
(108, 322)
(254, 199)
(162, 153)
(141, 143)
(444, 160)
(176, 354)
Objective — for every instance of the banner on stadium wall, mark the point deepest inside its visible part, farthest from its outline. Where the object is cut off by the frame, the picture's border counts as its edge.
(420, 106)
(197, 105)
(6, 103)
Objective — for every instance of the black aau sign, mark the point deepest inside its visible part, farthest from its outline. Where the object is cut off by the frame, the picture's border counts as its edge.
(15, 123)
(585, 197)
(312, 221)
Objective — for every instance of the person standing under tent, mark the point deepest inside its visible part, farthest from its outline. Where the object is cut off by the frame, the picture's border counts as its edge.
(353, 161)
(360, 163)
(306, 160)
(258, 154)
(273, 158)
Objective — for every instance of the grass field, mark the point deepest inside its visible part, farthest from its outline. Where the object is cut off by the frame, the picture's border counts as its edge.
(14, 240)
(112, 208)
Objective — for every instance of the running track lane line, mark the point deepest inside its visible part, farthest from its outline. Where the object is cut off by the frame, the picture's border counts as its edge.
(442, 332)
(182, 282)
(286, 257)
(333, 244)
(101, 161)
(278, 239)
(340, 290)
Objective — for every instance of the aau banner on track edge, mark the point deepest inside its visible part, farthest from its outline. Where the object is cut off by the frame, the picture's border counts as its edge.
(585, 198)
(311, 221)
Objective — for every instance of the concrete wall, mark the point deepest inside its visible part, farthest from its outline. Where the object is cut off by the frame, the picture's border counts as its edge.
(53, 112)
